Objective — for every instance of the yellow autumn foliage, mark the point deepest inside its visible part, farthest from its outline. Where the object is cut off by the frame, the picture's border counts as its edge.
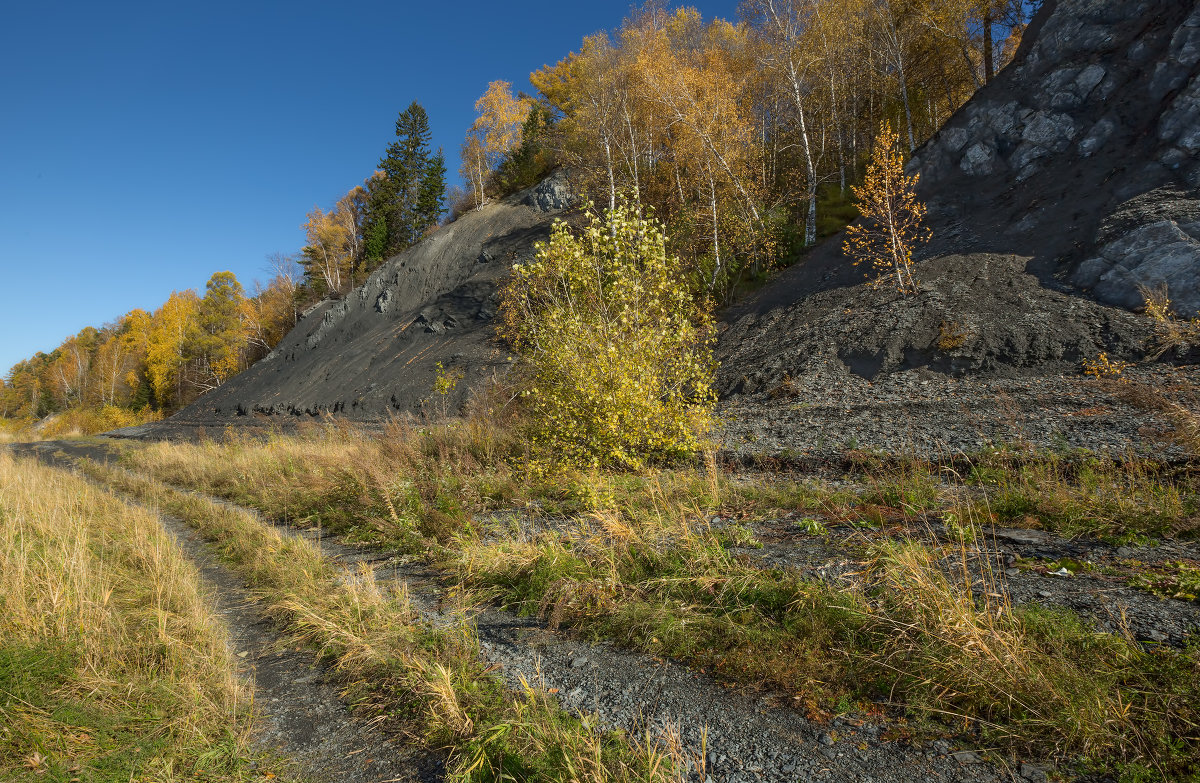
(618, 364)
(892, 218)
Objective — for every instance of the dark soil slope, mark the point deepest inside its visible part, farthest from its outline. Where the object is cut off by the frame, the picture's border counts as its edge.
(1062, 185)
(374, 353)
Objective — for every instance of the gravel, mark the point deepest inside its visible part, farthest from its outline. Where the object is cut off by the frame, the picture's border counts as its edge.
(920, 413)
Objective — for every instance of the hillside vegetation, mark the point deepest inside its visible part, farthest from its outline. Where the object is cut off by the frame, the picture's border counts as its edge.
(743, 136)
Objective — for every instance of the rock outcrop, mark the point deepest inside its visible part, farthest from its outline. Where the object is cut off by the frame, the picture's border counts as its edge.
(1059, 189)
(1085, 153)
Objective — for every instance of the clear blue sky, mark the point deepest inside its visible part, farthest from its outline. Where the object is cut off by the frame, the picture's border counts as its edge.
(144, 146)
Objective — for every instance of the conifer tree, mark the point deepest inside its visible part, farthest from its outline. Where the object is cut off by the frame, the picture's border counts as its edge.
(402, 203)
(431, 195)
(404, 164)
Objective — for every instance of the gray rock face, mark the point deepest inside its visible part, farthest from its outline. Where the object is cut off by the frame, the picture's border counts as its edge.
(552, 194)
(1084, 154)
(1151, 255)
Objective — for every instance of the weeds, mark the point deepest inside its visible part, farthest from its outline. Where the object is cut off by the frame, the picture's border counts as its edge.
(1176, 580)
(1103, 367)
(951, 337)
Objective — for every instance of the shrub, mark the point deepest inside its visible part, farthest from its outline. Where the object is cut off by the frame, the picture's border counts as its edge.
(1172, 333)
(1103, 367)
(618, 366)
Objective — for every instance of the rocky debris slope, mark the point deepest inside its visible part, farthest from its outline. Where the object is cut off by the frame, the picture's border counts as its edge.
(375, 352)
(978, 313)
(819, 418)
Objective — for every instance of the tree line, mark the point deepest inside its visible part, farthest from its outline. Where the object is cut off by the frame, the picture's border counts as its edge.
(738, 135)
(163, 360)
(158, 360)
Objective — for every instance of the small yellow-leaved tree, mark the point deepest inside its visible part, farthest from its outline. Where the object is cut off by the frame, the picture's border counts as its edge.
(891, 227)
(617, 361)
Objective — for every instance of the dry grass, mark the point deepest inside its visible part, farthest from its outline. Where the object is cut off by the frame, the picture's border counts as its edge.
(111, 661)
(1121, 501)
(1172, 332)
(631, 557)
(403, 665)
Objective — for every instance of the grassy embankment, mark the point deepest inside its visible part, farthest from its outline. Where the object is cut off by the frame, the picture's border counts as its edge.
(112, 665)
(429, 678)
(631, 557)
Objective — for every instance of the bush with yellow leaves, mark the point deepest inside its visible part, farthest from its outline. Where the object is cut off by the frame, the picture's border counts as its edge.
(617, 353)
(1104, 367)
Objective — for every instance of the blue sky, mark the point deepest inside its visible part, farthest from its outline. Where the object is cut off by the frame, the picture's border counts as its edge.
(144, 146)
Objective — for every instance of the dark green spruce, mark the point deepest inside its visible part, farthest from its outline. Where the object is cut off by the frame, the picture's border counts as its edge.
(408, 199)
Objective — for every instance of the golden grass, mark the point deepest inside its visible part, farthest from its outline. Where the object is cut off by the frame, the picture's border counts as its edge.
(145, 678)
(404, 665)
(632, 557)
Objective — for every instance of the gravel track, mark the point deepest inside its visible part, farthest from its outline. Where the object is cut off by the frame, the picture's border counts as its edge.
(748, 735)
(299, 713)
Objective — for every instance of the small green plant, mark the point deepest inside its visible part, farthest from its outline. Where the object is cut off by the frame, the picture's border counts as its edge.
(445, 382)
(1177, 580)
(958, 527)
(737, 536)
(814, 527)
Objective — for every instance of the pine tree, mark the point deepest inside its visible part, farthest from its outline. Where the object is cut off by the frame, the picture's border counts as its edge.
(405, 164)
(406, 196)
(431, 195)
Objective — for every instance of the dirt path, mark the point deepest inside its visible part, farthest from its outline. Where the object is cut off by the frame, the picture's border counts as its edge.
(300, 715)
(746, 735)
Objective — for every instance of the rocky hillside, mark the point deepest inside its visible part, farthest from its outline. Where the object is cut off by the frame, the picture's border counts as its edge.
(375, 353)
(1074, 172)
(1085, 154)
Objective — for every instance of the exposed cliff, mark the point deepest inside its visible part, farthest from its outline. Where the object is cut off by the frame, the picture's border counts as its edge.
(1085, 154)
